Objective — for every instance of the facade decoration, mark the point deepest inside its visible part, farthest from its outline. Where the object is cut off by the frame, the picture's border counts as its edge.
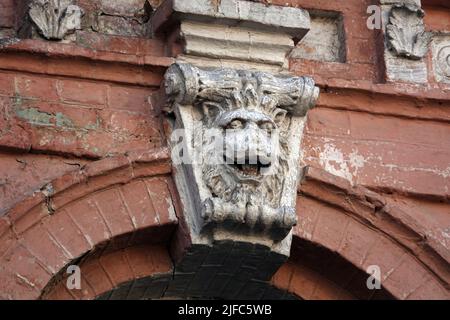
(104, 196)
(242, 129)
(406, 35)
(54, 19)
(443, 61)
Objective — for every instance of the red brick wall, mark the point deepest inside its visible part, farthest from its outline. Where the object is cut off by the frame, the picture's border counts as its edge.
(7, 14)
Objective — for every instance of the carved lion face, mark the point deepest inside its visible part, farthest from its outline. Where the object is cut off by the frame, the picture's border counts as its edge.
(246, 124)
(250, 144)
(248, 150)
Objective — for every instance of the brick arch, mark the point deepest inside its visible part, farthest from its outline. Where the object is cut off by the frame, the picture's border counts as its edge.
(107, 205)
(103, 205)
(135, 272)
(314, 272)
(138, 272)
(361, 228)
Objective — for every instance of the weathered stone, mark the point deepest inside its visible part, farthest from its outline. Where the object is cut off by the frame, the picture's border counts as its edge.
(229, 42)
(295, 21)
(232, 33)
(405, 70)
(121, 17)
(414, 2)
(7, 40)
(6, 33)
(406, 31)
(239, 217)
(325, 41)
(402, 50)
(128, 8)
(178, 285)
(390, 137)
(249, 180)
(55, 19)
(117, 25)
(121, 292)
(233, 276)
(205, 62)
(201, 281)
(157, 288)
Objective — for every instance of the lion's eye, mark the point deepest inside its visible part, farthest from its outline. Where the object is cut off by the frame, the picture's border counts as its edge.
(235, 124)
(267, 126)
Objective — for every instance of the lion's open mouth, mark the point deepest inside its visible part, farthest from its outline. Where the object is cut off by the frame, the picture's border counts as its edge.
(248, 168)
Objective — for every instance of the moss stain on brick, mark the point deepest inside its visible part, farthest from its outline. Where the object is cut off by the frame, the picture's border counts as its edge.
(34, 116)
(42, 118)
(63, 121)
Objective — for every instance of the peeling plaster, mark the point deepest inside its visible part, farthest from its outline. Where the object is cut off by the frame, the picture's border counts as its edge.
(443, 173)
(332, 159)
(349, 165)
(442, 236)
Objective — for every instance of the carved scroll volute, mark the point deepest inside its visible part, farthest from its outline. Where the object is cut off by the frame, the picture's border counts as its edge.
(186, 84)
(252, 112)
(406, 31)
(443, 62)
(54, 19)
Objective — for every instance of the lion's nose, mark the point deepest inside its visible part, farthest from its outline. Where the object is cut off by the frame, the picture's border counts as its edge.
(252, 126)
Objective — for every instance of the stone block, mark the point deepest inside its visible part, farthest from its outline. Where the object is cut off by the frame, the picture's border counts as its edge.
(295, 21)
(230, 42)
(416, 2)
(404, 46)
(231, 33)
(200, 282)
(178, 285)
(156, 289)
(210, 215)
(254, 290)
(54, 20)
(121, 293)
(441, 57)
(217, 285)
(325, 41)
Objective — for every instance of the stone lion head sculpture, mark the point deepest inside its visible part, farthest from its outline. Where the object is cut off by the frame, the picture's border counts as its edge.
(246, 120)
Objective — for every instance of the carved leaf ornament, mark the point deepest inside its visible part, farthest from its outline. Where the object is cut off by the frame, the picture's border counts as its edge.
(54, 19)
(443, 61)
(406, 32)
